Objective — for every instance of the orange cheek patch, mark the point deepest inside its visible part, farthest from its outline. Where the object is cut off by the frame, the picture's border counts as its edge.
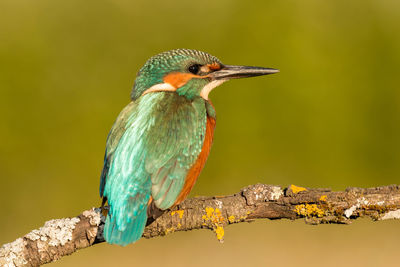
(214, 66)
(178, 79)
(211, 67)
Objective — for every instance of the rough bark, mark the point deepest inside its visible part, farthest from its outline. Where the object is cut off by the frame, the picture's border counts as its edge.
(61, 237)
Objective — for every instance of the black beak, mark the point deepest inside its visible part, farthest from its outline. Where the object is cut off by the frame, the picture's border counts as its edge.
(228, 72)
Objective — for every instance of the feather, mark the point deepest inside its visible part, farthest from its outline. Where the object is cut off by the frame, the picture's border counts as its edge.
(151, 148)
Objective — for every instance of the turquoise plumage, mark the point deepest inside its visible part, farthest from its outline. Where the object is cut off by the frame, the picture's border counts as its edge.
(153, 156)
(157, 139)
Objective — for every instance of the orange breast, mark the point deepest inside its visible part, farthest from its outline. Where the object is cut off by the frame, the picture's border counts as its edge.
(194, 172)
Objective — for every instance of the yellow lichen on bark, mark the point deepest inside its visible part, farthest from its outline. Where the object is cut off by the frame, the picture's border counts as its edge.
(309, 210)
(323, 198)
(209, 212)
(179, 212)
(220, 233)
(213, 217)
(296, 189)
(169, 230)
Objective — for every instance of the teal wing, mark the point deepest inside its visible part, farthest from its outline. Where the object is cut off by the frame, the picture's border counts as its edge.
(150, 149)
(113, 138)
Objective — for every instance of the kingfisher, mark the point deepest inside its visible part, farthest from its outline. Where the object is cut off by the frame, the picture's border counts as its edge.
(160, 141)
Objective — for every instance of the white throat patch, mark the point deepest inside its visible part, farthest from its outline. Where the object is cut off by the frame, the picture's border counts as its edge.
(169, 87)
(209, 86)
(160, 87)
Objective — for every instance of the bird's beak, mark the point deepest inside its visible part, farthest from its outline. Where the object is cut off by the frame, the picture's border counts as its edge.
(228, 72)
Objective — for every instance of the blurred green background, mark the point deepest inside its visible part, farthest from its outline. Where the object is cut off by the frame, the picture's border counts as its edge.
(331, 118)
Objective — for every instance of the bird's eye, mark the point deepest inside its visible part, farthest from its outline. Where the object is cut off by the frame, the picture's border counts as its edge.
(194, 68)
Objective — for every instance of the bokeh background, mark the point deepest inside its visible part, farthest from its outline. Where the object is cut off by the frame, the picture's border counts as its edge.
(331, 118)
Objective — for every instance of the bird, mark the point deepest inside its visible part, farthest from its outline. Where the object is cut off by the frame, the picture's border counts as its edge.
(161, 140)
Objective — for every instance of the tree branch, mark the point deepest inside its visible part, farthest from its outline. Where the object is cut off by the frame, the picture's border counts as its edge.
(61, 237)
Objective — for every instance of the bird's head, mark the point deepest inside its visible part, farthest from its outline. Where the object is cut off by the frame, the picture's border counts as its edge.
(189, 73)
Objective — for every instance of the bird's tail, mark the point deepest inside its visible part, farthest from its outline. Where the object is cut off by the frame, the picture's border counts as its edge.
(129, 233)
